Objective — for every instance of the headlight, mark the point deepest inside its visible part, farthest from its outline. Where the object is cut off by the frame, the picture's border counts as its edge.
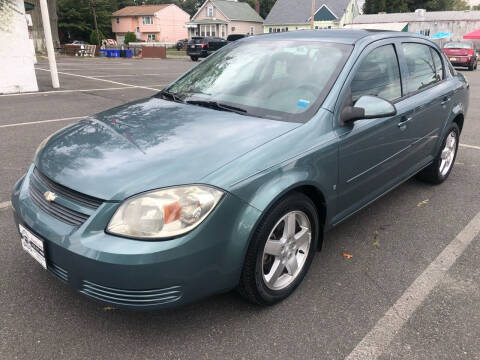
(164, 213)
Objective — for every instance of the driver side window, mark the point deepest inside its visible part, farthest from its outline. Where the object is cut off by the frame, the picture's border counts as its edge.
(378, 75)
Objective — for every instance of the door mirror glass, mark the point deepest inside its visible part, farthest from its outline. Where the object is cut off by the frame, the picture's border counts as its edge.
(368, 107)
(375, 107)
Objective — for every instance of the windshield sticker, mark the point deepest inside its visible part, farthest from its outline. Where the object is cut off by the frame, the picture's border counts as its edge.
(303, 104)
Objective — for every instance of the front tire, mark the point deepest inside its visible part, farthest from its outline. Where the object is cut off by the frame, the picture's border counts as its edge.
(281, 251)
(194, 58)
(441, 167)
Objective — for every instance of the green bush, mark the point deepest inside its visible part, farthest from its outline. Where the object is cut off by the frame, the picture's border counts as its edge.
(93, 37)
(130, 37)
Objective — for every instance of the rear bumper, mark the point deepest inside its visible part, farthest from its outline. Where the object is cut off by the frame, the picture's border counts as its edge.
(143, 275)
(462, 61)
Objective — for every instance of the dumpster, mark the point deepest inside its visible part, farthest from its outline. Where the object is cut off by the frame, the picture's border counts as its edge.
(128, 53)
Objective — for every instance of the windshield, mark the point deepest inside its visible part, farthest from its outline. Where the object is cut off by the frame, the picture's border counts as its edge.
(458, 45)
(284, 80)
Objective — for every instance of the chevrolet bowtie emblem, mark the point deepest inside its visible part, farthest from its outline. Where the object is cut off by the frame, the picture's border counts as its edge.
(49, 196)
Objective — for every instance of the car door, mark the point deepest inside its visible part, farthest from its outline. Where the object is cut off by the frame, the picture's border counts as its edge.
(372, 153)
(429, 93)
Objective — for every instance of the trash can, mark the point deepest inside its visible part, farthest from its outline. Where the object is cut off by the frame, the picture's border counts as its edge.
(128, 53)
(122, 53)
(102, 53)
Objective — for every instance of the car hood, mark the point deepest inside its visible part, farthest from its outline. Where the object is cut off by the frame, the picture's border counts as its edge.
(150, 144)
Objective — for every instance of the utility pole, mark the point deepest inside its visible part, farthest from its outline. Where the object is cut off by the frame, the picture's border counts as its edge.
(312, 20)
(47, 30)
(92, 4)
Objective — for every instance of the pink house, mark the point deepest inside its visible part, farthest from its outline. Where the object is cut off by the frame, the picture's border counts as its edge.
(161, 23)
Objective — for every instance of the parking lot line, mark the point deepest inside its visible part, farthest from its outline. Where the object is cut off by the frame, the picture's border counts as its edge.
(104, 80)
(69, 91)
(42, 121)
(470, 146)
(5, 205)
(380, 336)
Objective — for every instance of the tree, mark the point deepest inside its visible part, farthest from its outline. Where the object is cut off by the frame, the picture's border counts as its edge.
(93, 37)
(130, 37)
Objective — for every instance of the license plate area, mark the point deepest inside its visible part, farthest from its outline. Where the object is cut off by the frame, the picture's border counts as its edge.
(33, 245)
(453, 59)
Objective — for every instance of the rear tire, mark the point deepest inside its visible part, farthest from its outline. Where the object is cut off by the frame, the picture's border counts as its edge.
(271, 272)
(194, 58)
(439, 170)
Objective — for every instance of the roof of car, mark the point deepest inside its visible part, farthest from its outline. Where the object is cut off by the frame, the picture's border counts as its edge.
(344, 36)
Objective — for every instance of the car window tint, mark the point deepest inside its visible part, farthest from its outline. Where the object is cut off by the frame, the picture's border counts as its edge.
(378, 75)
(438, 64)
(420, 66)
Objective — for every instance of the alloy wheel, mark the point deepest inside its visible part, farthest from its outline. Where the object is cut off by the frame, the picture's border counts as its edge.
(448, 153)
(286, 250)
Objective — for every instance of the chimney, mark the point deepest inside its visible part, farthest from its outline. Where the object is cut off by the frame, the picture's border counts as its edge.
(257, 7)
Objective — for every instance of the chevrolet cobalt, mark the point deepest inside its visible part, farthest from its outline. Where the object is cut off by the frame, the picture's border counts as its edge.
(230, 177)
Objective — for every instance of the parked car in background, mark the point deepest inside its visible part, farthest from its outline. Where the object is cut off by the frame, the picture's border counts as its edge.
(181, 44)
(462, 54)
(231, 176)
(202, 46)
(79, 42)
(235, 37)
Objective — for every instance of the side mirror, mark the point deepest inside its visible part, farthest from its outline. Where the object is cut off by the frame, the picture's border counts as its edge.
(368, 107)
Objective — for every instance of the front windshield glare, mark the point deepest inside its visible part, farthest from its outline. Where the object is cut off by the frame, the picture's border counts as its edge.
(285, 80)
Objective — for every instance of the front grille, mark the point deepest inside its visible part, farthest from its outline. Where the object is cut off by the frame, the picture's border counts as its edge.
(67, 193)
(39, 183)
(135, 298)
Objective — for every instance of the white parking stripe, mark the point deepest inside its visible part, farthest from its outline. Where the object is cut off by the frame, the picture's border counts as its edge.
(5, 205)
(42, 121)
(68, 91)
(377, 340)
(470, 146)
(104, 80)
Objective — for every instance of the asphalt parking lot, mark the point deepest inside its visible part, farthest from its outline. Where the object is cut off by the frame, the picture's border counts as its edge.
(411, 289)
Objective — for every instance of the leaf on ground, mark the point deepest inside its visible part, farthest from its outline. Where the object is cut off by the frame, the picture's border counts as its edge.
(108, 308)
(376, 243)
(424, 202)
(347, 256)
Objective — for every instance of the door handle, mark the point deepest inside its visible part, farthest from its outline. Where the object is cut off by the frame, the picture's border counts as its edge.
(403, 122)
(445, 100)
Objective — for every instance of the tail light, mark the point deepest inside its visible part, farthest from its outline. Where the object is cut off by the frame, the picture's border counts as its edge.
(471, 52)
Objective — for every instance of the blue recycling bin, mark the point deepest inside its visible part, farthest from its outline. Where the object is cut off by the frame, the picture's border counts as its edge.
(128, 53)
(115, 53)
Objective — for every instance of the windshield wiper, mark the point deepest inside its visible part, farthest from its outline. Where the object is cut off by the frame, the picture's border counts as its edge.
(167, 95)
(218, 106)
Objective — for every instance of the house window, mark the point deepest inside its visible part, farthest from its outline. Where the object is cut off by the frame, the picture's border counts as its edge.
(233, 28)
(150, 37)
(117, 19)
(147, 20)
(138, 29)
(223, 31)
(270, 30)
(251, 30)
(210, 11)
(425, 32)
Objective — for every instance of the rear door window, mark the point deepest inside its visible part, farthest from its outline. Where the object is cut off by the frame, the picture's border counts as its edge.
(438, 64)
(420, 66)
(378, 75)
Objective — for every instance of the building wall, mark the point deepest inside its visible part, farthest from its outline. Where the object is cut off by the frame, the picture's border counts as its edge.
(216, 13)
(172, 24)
(17, 72)
(243, 27)
(350, 13)
(456, 28)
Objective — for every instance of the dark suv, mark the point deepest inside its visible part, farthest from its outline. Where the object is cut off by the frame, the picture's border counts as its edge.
(201, 46)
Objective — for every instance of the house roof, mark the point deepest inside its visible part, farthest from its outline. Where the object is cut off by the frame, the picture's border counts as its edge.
(234, 10)
(140, 10)
(299, 11)
(412, 17)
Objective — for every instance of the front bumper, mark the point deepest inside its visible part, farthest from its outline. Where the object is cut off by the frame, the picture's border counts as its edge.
(136, 274)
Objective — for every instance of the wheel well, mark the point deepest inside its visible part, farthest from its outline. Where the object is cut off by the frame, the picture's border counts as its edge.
(459, 121)
(319, 200)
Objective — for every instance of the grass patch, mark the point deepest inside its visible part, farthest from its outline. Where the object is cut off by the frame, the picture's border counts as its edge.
(175, 52)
